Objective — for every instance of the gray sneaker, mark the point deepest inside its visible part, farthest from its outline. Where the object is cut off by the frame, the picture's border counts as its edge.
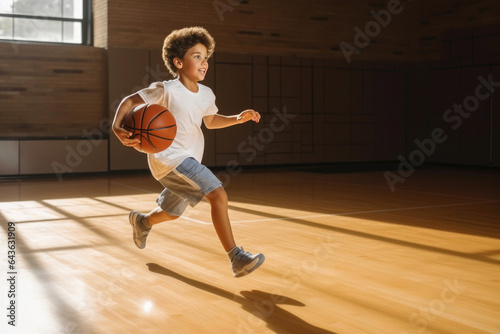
(139, 230)
(243, 263)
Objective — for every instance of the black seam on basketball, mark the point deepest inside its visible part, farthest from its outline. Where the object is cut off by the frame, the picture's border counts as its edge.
(133, 120)
(159, 137)
(128, 128)
(151, 143)
(149, 139)
(148, 131)
(163, 128)
(142, 120)
(157, 115)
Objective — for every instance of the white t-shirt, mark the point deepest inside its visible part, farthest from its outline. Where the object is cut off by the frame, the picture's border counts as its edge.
(188, 109)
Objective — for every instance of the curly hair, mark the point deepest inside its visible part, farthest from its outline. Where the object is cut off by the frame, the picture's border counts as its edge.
(178, 42)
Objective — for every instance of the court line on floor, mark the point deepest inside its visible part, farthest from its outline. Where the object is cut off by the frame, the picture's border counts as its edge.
(414, 191)
(198, 221)
(344, 213)
(321, 215)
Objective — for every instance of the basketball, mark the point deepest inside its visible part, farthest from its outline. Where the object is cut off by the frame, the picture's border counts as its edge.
(153, 124)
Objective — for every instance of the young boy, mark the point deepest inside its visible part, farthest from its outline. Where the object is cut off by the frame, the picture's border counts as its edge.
(178, 168)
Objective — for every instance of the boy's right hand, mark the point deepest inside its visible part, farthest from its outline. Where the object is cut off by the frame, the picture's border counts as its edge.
(124, 108)
(124, 136)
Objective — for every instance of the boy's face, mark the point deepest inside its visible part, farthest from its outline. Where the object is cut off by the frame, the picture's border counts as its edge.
(194, 65)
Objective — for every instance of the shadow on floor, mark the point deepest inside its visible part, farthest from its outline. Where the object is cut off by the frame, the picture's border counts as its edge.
(258, 303)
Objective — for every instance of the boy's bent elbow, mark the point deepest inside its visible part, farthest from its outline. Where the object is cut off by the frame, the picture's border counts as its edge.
(135, 99)
(127, 105)
(130, 102)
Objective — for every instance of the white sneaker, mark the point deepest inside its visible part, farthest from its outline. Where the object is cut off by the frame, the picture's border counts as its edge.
(140, 232)
(243, 263)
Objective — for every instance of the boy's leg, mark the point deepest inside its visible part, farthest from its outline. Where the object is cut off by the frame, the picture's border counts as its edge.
(220, 217)
(142, 223)
(157, 215)
(196, 181)
(242, 262)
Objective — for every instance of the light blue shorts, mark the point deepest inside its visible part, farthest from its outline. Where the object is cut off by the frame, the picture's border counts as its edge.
(186, 184)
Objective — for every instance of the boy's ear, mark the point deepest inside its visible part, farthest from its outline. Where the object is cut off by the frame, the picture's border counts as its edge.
(177, 62)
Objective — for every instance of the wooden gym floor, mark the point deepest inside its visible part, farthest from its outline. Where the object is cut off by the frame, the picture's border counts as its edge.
(344, 254)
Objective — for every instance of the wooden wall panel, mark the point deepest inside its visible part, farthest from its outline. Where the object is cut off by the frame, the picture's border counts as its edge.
(337, 109)
(444, 90)
(289, 57)
(50, 90)
(306, 145)
(291, 81)
(432, 97)
(282, 28)
(9, 157)
(495, 122)
(389, 114)
(313, 105)
(337, 89)
(337, 153)
(275, 81)
(418, 105)
(305, 29)
(316, 131)
(362, 124)
(367, 94)
(362, 153)
(487, 49)
(260, 80)
(128, 72)
(60, 157)
(475, 130)
(332, 112)
(356, 92)
(233, 89)
(454, 21)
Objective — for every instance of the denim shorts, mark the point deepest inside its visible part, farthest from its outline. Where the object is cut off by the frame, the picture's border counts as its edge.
(186, 184)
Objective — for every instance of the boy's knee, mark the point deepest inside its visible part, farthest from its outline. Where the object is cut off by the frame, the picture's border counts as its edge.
(218, 196)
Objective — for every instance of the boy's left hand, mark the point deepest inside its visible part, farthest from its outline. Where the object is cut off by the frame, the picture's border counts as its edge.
(248, 115)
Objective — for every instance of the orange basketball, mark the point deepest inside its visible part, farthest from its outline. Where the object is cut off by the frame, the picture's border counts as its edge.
(153, 124)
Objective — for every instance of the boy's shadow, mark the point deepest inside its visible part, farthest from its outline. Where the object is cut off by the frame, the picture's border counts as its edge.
(258, 303)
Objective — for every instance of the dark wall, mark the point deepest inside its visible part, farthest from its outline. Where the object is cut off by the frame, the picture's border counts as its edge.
(313, 111)
(397, 90)
(449, 95)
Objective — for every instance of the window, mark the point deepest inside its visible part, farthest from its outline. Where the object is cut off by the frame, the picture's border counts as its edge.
(54, 21)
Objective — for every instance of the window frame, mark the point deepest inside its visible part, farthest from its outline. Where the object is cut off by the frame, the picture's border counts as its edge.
(86, 21)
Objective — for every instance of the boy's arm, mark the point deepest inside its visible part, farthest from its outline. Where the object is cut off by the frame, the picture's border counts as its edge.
(220, 121)
(124, 108)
